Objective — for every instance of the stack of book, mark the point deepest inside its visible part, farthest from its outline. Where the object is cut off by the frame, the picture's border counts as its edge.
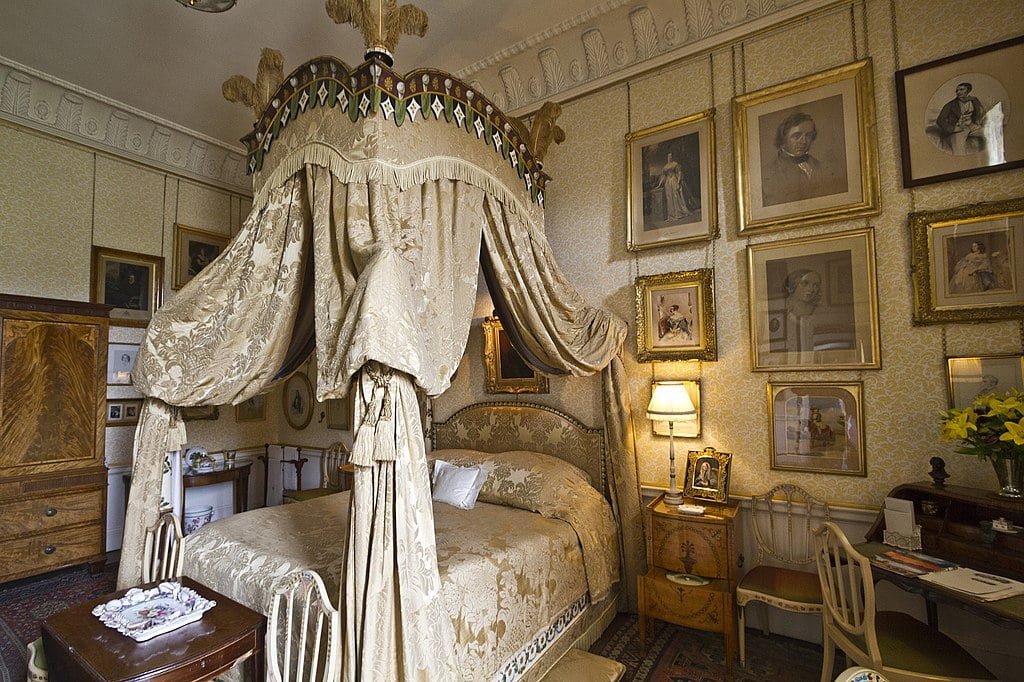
(911, 563)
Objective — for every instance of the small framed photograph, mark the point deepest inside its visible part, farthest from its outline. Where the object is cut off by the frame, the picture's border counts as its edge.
(675, 316)
(974, 376)
(813, 303)
(806, 150)
(707, 475)
(968, 263)
(120, 360)
(507, 371)
(959, 115)
(253, 409)
(817, 427)
(689, 428)
(200, 413)
(123, 412)
(339, 413)
(131, 282)
(194, 249)
(671, 179)
(298, 401)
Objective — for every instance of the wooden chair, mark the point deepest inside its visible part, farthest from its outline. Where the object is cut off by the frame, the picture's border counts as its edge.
(897, 645)
(331, 458)
(783, 530)
(293, 651)
(162, 553)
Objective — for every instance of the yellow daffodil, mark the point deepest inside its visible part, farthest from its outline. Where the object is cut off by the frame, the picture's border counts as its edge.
(1014, 432)
(958, 423)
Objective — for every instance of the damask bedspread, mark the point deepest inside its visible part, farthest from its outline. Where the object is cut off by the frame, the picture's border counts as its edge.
(510, 575)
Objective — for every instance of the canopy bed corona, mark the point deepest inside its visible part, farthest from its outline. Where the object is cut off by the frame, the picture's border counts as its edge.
(376, 196)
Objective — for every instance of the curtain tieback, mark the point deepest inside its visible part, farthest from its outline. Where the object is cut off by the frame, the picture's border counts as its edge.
(375, 439)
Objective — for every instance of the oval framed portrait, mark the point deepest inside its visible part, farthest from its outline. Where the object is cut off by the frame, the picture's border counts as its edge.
(298, 401)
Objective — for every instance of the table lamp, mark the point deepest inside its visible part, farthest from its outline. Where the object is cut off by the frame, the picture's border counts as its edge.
(671, 402)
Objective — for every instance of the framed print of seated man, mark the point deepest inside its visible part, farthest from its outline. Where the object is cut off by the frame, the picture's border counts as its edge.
(793, 173)
(961, 122)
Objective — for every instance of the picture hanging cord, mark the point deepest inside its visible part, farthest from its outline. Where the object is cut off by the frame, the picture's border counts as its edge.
(163, 218)
(711, 76)
(895, 35)
(864, 25)
(1020, 331)
(945, 350)
(853, 30)
(629, 129)
(92, 219)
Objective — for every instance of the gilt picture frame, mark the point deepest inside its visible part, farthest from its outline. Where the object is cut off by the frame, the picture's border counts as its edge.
(817, 427)
(133, 283)
(671, 197)
(968, 263)
(814, 303)
(194, 249)
(507, 371)
(253, 409)
(297, 401)
(675, 316)
(200, 413)
(708, 475)
(806, 150)
(959, 115)
(970, 377)
(339, 413)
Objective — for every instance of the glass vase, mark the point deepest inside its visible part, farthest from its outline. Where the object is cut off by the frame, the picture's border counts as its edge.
(1010, 473)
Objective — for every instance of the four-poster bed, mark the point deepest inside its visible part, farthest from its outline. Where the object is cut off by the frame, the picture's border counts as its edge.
(376, 193)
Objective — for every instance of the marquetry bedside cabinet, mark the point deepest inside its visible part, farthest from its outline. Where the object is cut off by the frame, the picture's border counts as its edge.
(704, 546)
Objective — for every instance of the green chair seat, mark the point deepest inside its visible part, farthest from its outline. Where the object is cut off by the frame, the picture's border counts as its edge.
(783, 583)
(309, 494)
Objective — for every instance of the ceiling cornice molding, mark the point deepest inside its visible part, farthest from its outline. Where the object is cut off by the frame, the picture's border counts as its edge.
(37, 100)
(618, 40)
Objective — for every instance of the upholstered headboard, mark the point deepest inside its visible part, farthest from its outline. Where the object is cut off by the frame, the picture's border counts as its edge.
(502, 426)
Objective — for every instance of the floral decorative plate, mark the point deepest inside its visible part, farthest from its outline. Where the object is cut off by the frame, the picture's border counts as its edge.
(144, 614)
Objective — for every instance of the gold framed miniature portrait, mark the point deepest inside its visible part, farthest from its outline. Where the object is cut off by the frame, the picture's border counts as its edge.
(675, 316)
(671, 197)
(707, 475)
(806, 150)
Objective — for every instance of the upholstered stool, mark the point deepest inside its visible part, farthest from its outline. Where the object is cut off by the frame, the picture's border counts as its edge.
(582, 666)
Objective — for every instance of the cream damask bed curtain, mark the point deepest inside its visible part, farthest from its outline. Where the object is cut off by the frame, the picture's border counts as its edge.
(388, 222)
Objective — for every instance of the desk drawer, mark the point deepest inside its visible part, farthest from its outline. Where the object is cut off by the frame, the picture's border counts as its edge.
(38, 553)
(691, 547)
(704, 608)
(45, 513)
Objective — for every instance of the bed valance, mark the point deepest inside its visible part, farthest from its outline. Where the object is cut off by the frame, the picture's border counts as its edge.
(365, 235)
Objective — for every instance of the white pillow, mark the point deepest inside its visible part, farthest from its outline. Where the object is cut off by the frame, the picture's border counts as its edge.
(457, 486)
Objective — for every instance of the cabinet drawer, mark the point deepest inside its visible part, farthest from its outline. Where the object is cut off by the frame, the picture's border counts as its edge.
(691, 547)
(37, 553)
(46, 513)
(704, 607)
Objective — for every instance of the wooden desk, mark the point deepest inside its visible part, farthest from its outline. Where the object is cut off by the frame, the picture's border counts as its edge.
(952, 532)
(79, 647)
(237, 473)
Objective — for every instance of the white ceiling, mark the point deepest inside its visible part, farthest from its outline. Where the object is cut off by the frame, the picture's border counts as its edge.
(167, 60)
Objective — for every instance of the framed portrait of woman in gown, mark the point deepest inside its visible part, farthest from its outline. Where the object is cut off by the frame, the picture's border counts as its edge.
(969, 263)
(675, 316)
(671, 169)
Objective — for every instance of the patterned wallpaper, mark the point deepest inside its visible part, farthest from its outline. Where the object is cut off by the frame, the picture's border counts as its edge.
(586, 205)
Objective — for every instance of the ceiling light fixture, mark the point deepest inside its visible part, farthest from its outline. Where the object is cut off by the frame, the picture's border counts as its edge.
(209, 5)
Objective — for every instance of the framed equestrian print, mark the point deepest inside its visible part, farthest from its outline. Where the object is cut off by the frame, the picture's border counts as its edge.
(806, 151)
(960, 115)
(671, 179)
(675, 316)
(817, 427)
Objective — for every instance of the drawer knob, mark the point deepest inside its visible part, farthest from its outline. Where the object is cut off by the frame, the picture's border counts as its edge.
(49, 549)
(51, 511)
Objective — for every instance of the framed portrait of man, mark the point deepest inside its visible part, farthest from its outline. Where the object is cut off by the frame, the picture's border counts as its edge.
(671, 178)
(707, 475)
(675, 316)
(959, 115)
(131, 282)
(806, 150)
(817, 427)
(968, 263)
(813, 303)
(507, 371)
(971, 377)
(298, 400)
(194, 249)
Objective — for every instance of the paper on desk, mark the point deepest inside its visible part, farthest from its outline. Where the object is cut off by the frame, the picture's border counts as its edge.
(899, 516)
(982, 586)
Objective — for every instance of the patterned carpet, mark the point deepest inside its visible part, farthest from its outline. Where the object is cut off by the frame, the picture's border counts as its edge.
(24, 604)
(676, 654)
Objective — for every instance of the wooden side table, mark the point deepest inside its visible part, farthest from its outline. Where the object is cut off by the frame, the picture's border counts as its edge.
(79, 647)
(698, 545)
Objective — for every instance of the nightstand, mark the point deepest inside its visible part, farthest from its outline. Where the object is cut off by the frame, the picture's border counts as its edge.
(698, 545)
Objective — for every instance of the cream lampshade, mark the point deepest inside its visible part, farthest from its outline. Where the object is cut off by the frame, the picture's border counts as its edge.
(670, 401)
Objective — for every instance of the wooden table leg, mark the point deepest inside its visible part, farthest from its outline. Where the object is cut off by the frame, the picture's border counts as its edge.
(259, 656)
(244, 489)
(641, 617)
